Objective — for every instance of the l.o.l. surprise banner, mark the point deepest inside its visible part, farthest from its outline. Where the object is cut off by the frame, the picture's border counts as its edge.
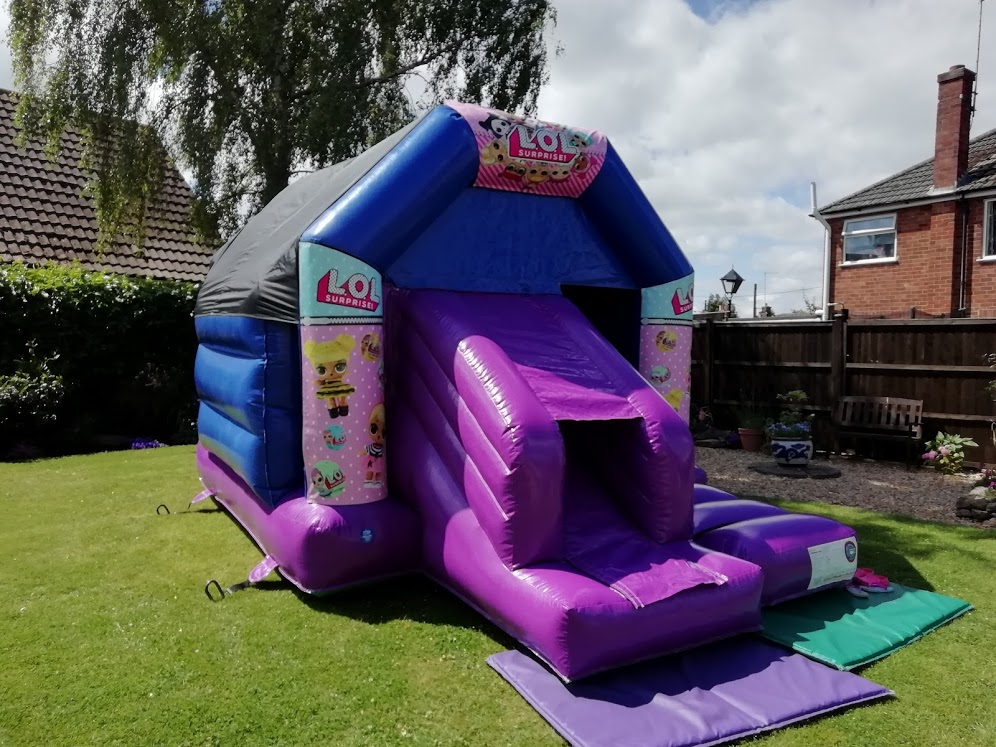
(666, 341)
(531, 156)
(342, 371)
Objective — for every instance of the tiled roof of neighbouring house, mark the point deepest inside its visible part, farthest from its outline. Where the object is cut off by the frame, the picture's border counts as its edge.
(45, 217)
(916, 182)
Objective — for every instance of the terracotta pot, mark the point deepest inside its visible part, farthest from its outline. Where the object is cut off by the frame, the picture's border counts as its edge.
(751, 438)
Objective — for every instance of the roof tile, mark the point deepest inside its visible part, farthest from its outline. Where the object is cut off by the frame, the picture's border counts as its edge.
(917, 182)
(43, 213)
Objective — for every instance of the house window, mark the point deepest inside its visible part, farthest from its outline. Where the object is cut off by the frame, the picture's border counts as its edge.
(989, 230)
(870, 239)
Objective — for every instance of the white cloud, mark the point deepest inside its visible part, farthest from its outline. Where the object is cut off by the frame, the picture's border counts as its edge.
(726, 121)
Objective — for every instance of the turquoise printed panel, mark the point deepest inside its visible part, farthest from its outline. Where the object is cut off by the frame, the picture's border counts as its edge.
(670, 301)
(336, 285)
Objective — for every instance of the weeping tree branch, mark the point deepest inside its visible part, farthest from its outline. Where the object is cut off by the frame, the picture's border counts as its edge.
(241, 92)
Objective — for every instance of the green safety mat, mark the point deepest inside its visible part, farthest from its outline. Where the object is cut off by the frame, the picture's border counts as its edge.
(845, 632)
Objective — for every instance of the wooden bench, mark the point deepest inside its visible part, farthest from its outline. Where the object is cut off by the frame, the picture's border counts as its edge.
(880, 418)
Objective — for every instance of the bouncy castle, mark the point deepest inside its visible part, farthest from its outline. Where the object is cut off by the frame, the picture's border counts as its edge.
(466, 352)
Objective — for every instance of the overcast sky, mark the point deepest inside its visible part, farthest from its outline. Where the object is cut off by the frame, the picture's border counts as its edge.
(726, 110)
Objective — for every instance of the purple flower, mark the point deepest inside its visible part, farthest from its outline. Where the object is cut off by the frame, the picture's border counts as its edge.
(143, 443)
(944, 451)
(930, 455)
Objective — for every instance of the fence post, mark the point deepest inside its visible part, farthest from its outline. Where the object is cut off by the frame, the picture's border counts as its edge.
(838, 359)
(707, 363)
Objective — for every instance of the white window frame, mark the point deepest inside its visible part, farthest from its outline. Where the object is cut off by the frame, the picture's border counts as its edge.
(988, 254)
(875, 260)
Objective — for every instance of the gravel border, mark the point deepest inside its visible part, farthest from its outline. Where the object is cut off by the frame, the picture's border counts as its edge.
(920, 492)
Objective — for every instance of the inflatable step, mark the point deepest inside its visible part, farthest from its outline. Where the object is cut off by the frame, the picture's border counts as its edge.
(799, 553)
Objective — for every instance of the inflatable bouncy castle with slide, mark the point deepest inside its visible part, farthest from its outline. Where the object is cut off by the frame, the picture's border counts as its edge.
(466, 352)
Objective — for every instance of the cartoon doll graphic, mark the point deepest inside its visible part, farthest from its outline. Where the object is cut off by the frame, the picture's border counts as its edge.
(334, 437)
(331, 361)
(374, 451)
(327, 479)
(666, 340)
(659, 376)
(515, 171)
(370, 347)
(580, 141)
(496, 152)
(559, 173)
(497, 126)
(674, 398)
(536, 174)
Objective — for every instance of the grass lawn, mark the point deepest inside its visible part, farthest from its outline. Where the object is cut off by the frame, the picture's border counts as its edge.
(106, 636)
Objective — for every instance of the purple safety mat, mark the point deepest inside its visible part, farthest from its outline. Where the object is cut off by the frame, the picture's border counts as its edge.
(707, 696)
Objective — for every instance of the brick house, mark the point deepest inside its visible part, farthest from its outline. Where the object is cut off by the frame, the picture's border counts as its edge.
(923, 241)
(44, 215)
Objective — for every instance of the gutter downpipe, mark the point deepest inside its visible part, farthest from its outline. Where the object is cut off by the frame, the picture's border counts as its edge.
(826, 250)
(963, 280)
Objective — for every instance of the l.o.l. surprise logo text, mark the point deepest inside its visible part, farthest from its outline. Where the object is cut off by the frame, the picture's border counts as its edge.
(681, 301)
(359, 291)
(552, 146)
(532, 153)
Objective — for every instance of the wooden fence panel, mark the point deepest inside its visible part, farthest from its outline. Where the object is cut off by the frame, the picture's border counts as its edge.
(941, 362)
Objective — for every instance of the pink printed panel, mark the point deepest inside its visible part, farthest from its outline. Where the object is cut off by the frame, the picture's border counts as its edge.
(344, 425)
(531, 156)
(666, 362)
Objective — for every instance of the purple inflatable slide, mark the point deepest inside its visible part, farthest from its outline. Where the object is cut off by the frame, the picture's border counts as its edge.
(499, 295)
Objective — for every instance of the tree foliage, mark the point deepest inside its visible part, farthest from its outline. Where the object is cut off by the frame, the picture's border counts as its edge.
(244, 92)
(716, 303)
(811, 306)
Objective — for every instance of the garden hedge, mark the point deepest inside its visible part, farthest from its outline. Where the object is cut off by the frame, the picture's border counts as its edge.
(90, 360)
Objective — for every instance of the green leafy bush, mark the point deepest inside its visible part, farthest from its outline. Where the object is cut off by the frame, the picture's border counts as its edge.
(792, 423)
(946, 452)
(97, 354)
(31, 396)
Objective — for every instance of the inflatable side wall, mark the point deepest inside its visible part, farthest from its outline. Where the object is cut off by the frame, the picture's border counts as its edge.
(247, 379)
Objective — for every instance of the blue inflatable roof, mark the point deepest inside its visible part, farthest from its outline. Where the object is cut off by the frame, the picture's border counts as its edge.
(409, 208)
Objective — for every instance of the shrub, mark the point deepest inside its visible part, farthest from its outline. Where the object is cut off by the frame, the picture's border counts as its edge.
(119, 351)
(792, 423)
(946, 452)
(30, 397)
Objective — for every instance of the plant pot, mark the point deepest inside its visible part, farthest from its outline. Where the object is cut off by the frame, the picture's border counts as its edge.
(793, 452)
(751, 438)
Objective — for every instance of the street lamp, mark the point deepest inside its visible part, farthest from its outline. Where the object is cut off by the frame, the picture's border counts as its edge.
(731, 284)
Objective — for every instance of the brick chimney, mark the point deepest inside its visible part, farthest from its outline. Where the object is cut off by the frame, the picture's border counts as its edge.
(954, 111)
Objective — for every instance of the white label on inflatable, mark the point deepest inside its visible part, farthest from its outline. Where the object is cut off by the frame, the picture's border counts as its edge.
(833, 561)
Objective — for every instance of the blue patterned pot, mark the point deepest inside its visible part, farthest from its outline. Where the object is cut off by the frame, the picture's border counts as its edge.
(792, 452)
